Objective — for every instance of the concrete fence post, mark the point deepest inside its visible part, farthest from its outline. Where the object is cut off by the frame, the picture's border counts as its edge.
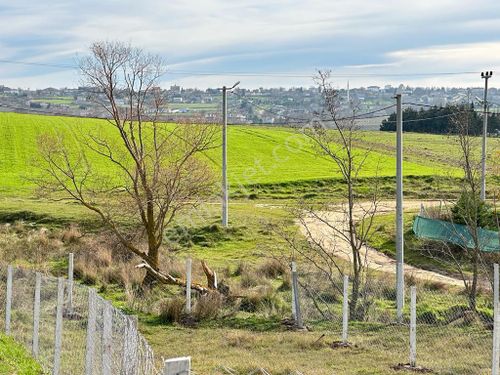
(188, 285)
(36, 315)
(177, 366)
(345, 309)
(70, 280)
(496, 323)
(59, 326)
(413, 327)
(295, 283)
(294, 312)
(107, 338)
(8, 300)
(91, 329)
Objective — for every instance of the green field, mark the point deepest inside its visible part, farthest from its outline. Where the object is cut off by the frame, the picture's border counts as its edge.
(271, 163)
(256, 155)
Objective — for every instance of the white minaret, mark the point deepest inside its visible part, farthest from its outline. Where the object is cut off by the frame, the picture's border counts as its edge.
(348, 96)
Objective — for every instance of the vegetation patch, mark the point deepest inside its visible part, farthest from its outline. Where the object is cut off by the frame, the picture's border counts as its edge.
(14, 359)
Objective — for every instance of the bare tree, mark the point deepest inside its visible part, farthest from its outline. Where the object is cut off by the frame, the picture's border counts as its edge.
(335, 136)
(465, 257)
(135, 171)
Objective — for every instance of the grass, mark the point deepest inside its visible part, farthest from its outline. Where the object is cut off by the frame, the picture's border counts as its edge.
(257, 155)
(383, 239)
(264, 164)
(245, 340)
(281, 352)
(15, 360)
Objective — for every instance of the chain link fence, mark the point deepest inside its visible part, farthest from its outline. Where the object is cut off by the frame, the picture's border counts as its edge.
(451, 334)
(71, 330)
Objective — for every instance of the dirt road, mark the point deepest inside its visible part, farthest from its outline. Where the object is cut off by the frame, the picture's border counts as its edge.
(375, 259)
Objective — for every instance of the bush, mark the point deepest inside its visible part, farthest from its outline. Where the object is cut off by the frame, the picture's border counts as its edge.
(272, 269)
(240, 269)
(171, 310)
(249, 280)
(469, 208)
(208, 306)
(261, 299)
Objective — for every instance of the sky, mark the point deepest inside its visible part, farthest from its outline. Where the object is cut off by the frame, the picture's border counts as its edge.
(268, 43)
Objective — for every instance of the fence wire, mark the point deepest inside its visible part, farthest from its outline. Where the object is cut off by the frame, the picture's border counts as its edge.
(114, 345)
(453, 336)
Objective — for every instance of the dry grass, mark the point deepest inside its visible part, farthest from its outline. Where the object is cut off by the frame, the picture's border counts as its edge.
(273, 268)
(208, 306)
(283, 352)
(170, 310)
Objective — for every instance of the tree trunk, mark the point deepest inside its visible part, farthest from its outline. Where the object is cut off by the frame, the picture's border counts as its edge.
(473, 288)
(153, 261)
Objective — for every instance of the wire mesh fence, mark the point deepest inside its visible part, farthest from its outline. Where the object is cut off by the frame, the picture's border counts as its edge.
(454, 332)
(70, 329)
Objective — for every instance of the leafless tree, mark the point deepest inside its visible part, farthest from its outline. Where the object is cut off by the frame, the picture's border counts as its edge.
(465, 257)
(134, 171)
(346, 225)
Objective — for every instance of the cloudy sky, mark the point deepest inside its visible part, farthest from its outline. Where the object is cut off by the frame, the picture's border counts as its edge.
(261, 42)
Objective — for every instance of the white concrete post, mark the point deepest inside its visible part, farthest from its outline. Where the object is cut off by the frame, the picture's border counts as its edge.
(188, 285)
(345, 310)
(295, 283)
(59, 326)
(8, 302)
(399, 210)
(294, 312)
(496, 323)
(70, 280)
(413, 327)
(91, 328)
(177, 366)
(107, 338)
(36, 315)
(216, 284)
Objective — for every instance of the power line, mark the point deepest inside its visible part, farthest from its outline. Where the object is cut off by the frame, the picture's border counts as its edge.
(259, 74)
(361, 116)
(59, 66)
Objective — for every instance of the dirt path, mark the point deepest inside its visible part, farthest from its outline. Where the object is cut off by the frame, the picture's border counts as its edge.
(376, 260)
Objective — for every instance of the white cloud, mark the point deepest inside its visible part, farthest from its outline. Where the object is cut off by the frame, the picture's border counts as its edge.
(220, 34)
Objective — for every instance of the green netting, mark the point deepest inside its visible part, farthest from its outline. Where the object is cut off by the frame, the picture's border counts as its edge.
(457, 234)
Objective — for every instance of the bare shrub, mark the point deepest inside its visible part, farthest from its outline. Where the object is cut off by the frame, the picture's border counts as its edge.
(272, 269)
(262, 299)
(241, 268)
(170, 310)
(208, 306)
(71, 234)
(250, 279)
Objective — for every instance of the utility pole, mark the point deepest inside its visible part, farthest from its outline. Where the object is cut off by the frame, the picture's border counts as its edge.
(486, 76)
(399, 210)
(225, 193)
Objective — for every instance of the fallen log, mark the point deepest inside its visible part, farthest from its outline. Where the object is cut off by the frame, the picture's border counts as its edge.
(166, 278)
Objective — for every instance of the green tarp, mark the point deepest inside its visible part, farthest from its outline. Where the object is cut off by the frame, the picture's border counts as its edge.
(439, 230)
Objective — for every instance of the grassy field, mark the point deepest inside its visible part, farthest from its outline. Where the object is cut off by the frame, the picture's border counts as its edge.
(15, 360)
(257, 155)
(266, 164)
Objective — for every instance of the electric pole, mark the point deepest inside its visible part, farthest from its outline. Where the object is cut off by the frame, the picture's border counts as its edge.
(399, 210)
(486, 76)
(225, 193)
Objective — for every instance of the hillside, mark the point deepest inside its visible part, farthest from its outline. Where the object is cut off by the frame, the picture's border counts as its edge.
(257, 155)
(15, 360)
